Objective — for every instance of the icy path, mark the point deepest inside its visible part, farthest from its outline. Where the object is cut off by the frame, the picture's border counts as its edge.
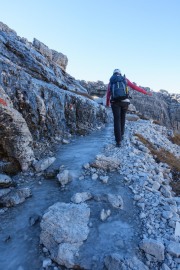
(19, 239)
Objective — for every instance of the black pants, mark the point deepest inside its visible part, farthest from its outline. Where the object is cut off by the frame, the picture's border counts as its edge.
(119, 110)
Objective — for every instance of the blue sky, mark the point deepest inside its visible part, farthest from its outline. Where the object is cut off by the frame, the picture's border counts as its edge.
(140, 37)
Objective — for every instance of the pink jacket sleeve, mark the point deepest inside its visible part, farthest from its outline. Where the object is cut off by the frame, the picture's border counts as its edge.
(137, 88)
(3, 102)
(108, 94)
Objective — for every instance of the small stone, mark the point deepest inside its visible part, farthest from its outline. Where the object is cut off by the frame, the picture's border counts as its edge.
(153, 247)
(86, 166)
(43, 164)
(81, 197)
(115, 200)
(45, 250)
(167, 214)
(165, 267)
(94, 176)
(5, 181)
(47, 262)
(64, 141)
(105, 214)
(177, 229)
(174, 249)
(156, 186)
(64, 177)
(104, 179)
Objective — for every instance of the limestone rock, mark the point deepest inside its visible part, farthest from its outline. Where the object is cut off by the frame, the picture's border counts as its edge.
(81, 197)
(174, 249)
(115, 261)
(105, 214)
(106, 163)
(15, 196)
(64, 177)
(5, 181)
(43, 164)
(177, 229)
(60, 59)
(64, 228)
(154, 248)
(115, 200)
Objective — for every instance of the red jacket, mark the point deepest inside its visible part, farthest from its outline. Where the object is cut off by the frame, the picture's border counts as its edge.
(130, 84)
(3, 102)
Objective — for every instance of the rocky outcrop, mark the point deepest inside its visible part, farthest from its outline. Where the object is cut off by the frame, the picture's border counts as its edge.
(162, 107)
(43, 101)
(94, 88)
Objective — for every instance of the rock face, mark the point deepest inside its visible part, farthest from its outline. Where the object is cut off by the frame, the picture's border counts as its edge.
(94, 88)
(163, 107)
(43, 101)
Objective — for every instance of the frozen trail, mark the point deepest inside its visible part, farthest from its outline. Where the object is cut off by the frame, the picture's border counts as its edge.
(19, 237)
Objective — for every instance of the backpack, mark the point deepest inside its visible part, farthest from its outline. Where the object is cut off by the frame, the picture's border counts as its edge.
(118, 87)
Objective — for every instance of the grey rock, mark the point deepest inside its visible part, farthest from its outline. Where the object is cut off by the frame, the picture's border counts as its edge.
(43, 164)
(167, 214)
(105, 214)
(116, 262)
(63, 230)
(5, 181)
(47, 262)
(16, 196)
(106, 163)
(115, 200)
(153, 247)
(81, 197)
(64, 177)
(165, 267)
(165, 192)
(174, 249)
(177, 229)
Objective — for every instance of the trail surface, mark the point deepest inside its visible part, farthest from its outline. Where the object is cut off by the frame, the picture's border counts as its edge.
(20, 230)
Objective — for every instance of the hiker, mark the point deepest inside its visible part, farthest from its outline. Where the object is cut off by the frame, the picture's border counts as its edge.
(117, 96)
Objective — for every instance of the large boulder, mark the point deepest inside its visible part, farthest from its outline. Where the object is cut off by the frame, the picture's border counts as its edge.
(63, 230)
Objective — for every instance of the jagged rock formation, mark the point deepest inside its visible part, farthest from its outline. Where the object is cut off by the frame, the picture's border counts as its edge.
(94, 88)
(162, 106)
(43, 101)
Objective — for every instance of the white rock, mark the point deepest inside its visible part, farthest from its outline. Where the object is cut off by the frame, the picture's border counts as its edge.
(47, 262)
(81, 197)
(5, 180)
(65, 141)
(174, 249)
(64, 177)
(177, 229)
(43, 164)
(94, 176)
(104, 179)
(64, 227)
(115, 200)
(86, 166)
(153, 247)
(156, 186)
(105, 214)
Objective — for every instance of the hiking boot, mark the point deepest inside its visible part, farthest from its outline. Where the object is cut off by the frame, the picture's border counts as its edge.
(118, 144)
